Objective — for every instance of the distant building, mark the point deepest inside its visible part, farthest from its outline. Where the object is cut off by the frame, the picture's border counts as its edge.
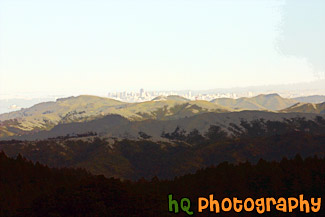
(141, 92)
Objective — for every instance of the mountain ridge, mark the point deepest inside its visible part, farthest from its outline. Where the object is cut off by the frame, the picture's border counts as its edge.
(84, 108)
(44, 116)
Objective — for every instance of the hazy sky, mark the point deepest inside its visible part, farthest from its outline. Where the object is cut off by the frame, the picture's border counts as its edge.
(96, 46)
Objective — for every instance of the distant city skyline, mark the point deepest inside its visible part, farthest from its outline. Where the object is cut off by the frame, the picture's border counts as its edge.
(298, 89)
(289, 91)
(14, 102)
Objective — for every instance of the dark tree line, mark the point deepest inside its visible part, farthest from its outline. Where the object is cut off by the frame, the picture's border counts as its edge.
(215, 133)
(252, 129)
(78, 135)
(31, 189)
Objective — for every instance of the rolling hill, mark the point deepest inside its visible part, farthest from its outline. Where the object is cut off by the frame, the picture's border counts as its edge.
(120, 127)
(171, 97)
(306, 108)
(271, 102)
(44, 116)
(135, 158)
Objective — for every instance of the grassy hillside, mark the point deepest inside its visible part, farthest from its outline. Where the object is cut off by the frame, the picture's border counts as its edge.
(180, 152)
(306, 108)
(82, 109)
(45, 116)
(120, 127)
(271, 102)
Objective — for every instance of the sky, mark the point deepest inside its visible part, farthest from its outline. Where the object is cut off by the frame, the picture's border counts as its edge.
(99, 46)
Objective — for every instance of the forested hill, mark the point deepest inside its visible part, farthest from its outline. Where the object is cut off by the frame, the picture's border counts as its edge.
(28, 189)
(179, 151)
